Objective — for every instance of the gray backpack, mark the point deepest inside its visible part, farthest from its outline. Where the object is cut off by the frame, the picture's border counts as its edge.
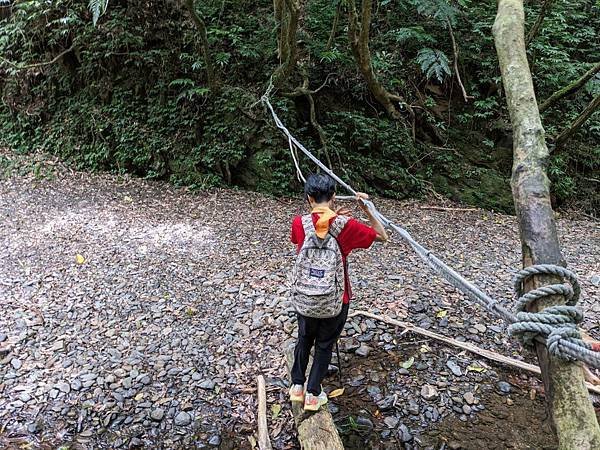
(318, 274)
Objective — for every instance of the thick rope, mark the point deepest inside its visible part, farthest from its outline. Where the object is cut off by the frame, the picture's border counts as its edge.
(556, 325)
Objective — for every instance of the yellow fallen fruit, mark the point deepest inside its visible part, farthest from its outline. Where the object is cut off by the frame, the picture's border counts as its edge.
(336, 393)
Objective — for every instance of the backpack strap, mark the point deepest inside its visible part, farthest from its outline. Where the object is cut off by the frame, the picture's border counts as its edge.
(308, 225)
(338, 225)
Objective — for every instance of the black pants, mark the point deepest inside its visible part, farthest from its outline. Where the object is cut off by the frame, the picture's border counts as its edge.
(322, 333)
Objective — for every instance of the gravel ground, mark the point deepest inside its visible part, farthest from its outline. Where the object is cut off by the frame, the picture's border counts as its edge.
(137, 315)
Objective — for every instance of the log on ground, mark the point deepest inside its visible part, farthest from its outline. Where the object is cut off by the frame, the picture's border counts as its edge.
(316, 431)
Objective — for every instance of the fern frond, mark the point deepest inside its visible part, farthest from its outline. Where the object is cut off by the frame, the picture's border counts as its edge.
(434, 63)
(416, 35)
(97, 8)
(439, 10)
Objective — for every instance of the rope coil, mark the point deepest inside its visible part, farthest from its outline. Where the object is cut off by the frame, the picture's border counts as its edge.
(556, 325)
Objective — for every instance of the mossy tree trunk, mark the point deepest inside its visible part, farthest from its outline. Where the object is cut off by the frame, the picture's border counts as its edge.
(287, 13)
(201, 26)
(358, 36)
(567, 398)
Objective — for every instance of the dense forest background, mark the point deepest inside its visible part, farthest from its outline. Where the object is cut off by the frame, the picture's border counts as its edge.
(403, 97)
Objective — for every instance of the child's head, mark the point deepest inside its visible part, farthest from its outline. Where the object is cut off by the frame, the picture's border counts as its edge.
(319, 188)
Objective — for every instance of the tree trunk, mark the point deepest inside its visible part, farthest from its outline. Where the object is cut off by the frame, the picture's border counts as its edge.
(5, 9)
(571, 88)
(334, 26)
(288, 27)
(456, 72)
(585, 115)
(358, 35)
(201, 26)
(278, 13)
(567, 398)
(537, 26)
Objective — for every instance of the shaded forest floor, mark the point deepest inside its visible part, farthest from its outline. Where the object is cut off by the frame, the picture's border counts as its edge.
(136, 315)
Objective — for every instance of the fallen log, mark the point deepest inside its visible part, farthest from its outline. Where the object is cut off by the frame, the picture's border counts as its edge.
(316, 431)
(264, 443)
(488, 354)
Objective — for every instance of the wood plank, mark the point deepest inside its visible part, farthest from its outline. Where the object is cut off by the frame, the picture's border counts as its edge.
(488, 354)
(264, 443)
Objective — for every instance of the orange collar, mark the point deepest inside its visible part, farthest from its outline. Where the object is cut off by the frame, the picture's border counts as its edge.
(322, 226)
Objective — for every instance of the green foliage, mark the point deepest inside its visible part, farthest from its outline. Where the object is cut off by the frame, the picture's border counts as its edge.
(384, 155)
(412, 36)
(133, 95)
(434, 63)
(97, 8)
(440, 10)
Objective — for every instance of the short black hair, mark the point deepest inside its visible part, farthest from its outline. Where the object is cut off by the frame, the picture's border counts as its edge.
(319, 186)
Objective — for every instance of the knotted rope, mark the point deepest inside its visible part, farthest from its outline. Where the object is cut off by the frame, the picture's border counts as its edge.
(555, 325)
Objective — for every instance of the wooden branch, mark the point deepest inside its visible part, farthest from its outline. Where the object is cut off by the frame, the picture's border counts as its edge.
(568, 132)
(487, 354)
(264, 443)
(535, 29)
(571, 88)
(334, 25)
(441, 208)
(316, 431)
(455, 50)
(567, 398)
(40, 64)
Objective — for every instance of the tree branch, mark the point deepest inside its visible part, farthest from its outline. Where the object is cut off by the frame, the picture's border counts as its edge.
(210, 74)
(40, 64)
(358, 36)
(566, 134)
(535, 29)
(333, 31)
(288, 27)
(455, 50)
(571, 88)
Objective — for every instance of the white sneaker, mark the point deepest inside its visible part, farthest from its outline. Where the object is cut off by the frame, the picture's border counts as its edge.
(297, 393)
(314, 402)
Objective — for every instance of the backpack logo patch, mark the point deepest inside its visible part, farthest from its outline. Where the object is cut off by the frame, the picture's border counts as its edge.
(317, 273)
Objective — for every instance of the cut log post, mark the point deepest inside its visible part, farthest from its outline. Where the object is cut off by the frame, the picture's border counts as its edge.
(567, 398)
(316, 431)
(264, 443)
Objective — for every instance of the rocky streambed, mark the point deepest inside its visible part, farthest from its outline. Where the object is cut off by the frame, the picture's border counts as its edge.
(136, 315)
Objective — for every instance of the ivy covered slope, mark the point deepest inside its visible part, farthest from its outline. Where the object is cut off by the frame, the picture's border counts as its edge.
(400, 96)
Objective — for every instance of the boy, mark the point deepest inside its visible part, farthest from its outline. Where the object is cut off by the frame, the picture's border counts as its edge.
(322, 333)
